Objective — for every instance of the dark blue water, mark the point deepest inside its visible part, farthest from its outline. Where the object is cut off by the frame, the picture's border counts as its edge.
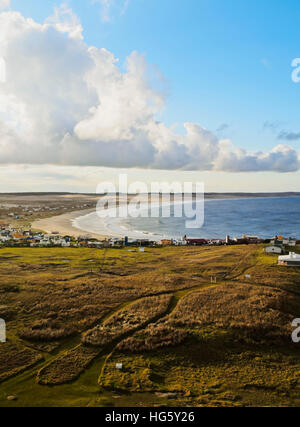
(265, 217)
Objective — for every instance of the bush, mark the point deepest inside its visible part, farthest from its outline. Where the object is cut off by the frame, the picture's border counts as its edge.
(152, 338)
(135, 316)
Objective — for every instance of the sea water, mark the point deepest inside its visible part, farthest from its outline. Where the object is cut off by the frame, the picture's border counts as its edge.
(265, 217)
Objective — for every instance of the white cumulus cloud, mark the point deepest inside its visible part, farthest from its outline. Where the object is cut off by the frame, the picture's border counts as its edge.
(4, 4)
(67, 103)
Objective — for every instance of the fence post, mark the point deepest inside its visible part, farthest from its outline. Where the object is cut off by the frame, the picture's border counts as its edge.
(2, 331)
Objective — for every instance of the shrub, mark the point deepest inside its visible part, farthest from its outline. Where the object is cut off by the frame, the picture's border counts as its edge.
(135, 316)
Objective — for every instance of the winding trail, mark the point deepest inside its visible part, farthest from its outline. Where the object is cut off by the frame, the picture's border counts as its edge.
(104, 354)
(176, 298)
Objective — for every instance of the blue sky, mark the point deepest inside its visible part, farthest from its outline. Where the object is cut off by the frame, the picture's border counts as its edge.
(226, 64)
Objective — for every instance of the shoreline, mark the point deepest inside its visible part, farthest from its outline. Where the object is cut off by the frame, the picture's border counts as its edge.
(68, 224)
(64, 225)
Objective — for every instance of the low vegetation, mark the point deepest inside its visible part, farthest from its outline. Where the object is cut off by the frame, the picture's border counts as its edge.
(67, 367)
(155, 336)
(45, 330)
(256, 313)
(73, 314)
(15, 359)
(135, 316)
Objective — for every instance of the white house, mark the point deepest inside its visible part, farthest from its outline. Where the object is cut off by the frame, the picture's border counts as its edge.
(180, 242)
(291, 260)
(45, 242)
(286, 242)
(273, 250)
(66, 244)
(62, 243)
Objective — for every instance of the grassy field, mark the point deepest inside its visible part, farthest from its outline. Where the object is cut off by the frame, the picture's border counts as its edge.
(73, 314)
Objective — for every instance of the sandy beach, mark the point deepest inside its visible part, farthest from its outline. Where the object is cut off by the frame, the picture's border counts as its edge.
(67, 225)
(85, 222)
(63, 224)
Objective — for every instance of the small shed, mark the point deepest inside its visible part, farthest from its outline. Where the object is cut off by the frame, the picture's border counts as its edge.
(274, 250)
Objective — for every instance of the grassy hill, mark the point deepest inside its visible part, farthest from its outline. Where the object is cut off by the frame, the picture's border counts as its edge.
(72, 314)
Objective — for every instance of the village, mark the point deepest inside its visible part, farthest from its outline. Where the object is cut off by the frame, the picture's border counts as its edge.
(11, 236)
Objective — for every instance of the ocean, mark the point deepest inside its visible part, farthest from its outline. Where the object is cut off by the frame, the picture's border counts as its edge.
(265, 217)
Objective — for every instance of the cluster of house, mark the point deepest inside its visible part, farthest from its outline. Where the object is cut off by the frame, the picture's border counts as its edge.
(281, 246)
(11, 237)
(15, 237)
(244, 240)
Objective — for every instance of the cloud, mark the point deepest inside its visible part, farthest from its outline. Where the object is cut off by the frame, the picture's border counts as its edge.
(271, 125)
(4, 4)
(107, 6)
(280, 159)
(281, 134)
(65, 21)
(289, 136)
(223, 127)
(74, 105)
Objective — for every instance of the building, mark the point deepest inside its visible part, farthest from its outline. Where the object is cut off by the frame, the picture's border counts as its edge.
(284, 241)
(250, 239)
(45, 242)
(166, 242)
(179, 242)
(18, 236)
(291, 260)
(228, 240)
(196, 242)
(216, 242)
(274, 249)
(94, 244)
(240, 241)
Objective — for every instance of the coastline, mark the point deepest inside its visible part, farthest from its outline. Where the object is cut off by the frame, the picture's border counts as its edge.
(77, 224)
(64, 225)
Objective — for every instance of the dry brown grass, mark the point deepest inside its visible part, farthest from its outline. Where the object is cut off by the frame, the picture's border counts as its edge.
(50, 298)
(259, 314)
(46, 330)
(155, 336)
(67, 367)
(6, 312)
(15, 359)
(135, 316)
